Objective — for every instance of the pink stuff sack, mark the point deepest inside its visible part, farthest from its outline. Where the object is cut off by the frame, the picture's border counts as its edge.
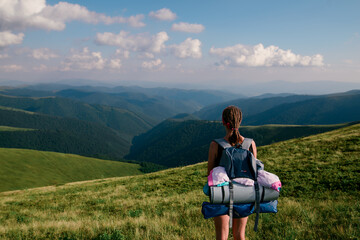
(269, 180)
(244, 181)
(217, 176)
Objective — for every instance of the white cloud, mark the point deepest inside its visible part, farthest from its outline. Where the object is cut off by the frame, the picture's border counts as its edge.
(43, 53)
(146, 55)
(158, 41)
(154, 65)
(84, 60)
(190, 48)
(163, 14)
(115, 63)
(348, 61)
(3, 56)
(10, 68)
(122, 53)
(138, 43)
(23, 14)
(40, 68)
(134, 21)
(259, 56)
(7, 38)
(187, 27)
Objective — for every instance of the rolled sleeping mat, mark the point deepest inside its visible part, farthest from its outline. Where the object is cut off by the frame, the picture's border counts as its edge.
(242, 194)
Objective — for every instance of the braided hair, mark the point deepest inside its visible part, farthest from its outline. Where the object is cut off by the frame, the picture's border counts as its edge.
(231, 118)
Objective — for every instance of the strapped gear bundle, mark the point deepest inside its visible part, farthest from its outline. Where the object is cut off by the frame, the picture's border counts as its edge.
(240, 184)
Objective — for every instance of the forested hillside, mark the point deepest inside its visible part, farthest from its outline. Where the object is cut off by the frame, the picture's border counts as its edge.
(128, 124)
(67, 135)
(178, 143)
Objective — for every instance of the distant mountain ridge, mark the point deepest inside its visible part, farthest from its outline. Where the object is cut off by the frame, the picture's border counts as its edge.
(122, 116)
(204, 97)
(292, 109)
(156, 108)
(126, 123)
(249, 106)
(178, 143)
(157, 104)
(331, 109)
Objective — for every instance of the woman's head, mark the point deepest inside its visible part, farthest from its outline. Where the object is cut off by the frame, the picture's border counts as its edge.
(231, 118)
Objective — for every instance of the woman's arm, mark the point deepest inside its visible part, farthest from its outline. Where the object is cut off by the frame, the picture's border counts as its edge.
(213, 151)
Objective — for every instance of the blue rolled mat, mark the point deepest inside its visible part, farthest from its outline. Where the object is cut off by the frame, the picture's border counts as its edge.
(210, 210)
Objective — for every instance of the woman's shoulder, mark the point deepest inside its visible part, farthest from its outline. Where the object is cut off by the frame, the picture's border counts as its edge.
(214, 145)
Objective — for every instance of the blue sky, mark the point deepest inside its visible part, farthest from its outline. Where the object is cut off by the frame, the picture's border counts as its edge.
(200, 43)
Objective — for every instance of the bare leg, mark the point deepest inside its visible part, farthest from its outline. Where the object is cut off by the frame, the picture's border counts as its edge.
(239, 226)
(222, 227)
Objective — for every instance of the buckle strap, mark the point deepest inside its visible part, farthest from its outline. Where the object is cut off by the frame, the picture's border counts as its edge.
(231, 206)
(257, 205)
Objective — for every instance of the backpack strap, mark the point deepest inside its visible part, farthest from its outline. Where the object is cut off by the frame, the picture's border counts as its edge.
(246, 144)
(222, 142)
(231, 204)
(257, 205)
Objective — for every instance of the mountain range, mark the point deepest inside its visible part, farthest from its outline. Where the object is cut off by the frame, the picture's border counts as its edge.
(178, 143)
(154, 103)
(112, 117)
(292, 109)
(167, 127)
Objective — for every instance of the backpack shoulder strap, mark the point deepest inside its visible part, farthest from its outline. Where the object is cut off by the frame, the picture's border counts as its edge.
(222, 142)
(246, 143)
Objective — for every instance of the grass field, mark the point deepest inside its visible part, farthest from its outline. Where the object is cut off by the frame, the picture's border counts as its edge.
(21, 168)
(319, 200)
(10, 129)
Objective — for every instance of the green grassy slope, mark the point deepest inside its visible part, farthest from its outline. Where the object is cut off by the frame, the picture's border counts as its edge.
(14, 129)
(320, 176)
(22, 168)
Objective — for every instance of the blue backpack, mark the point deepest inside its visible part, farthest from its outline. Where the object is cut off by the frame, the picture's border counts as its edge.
(239, 162)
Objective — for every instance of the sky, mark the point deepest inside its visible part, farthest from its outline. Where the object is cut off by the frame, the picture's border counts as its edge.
(207, 44)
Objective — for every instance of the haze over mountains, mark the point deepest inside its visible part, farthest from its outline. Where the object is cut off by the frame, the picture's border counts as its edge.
(248, 89)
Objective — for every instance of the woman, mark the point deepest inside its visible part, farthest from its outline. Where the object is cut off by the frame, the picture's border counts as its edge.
(231, 118)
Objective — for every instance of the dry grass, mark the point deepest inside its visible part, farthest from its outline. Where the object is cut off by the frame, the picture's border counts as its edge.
(316, 202)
